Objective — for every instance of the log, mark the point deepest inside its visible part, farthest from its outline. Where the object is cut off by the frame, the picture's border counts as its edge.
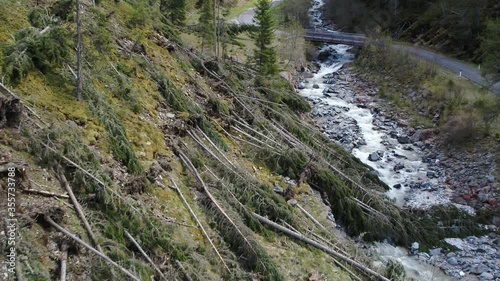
(127, 234)
(176, 188)
(90, 248)
(45, 193)
(190, 165)
(325, 249)
(311, 217)
(64, 259)
(215, 146)
(79, 210)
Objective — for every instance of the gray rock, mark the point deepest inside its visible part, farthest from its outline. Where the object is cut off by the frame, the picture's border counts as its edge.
(374, 156)
(415, 246)
(483, 197)
(404, 140)
(435, 252)
(479, 269)
(301, 86)
(292, 202)
(170, 115)
(487, 276)
(315, 86)
(398, 166)
(397, 186)
(277, 188)
(490, 179)
(453, 261)
(307, 75)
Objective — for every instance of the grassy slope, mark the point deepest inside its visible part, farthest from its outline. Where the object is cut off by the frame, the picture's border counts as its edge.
(52, 96)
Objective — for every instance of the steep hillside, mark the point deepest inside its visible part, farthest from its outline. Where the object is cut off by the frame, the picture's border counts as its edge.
(174, 160)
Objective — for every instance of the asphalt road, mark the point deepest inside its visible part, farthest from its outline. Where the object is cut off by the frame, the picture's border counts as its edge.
(467, 71)
(247, 16)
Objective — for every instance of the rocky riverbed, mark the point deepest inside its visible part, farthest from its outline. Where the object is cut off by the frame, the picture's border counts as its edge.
(421, 171)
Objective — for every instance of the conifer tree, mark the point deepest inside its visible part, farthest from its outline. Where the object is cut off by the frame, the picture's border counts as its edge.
(265, 54)
(490, 48)
(207, 23)
(174, 10)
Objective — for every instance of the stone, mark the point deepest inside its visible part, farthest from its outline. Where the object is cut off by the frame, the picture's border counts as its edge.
(490, 179)
(301, 86)
(479, 269)
(292, 202)
(170, 115)
(404, 140)
(374, 156)
(277, 188)
(307, 75)
(452, 261)
(315, 86)
(415, 246)
(398, 166)
(487, 276)
(397, 186)
(483, 197)
(435, 252)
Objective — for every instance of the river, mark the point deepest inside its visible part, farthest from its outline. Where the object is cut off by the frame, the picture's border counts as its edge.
(352, 126)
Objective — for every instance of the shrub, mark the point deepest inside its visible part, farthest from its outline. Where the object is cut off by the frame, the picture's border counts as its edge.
(63, 9)
(395, 271)
(461, 127)
(32, 49)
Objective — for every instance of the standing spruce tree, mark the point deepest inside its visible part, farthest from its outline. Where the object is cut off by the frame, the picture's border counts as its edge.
(265, 54)
(490, 48)
(206, 23)
(174, 10)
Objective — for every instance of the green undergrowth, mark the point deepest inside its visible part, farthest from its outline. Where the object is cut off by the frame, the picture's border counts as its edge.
(429, 95)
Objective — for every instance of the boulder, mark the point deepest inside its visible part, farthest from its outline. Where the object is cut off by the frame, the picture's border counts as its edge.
(315, 86)
(479, 269)
(398, 166)
(404, 139)
(374, 156)
(487, 276)
(452, 261)
(435, 252)
(414, 247)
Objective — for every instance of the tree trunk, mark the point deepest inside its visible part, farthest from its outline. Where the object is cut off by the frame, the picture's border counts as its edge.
(78, 53)
(315, 244)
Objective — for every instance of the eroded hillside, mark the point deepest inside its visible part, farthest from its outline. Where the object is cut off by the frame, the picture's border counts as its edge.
(173, 158)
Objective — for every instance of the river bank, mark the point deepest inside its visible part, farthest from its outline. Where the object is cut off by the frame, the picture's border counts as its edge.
(422, 173)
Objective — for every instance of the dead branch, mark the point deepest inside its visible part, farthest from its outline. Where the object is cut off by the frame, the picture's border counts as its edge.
(186, 275)
(293, 234)
(176, 188)
(45, 193)
(311, 217)
(251, 137)
(257, 132)
(79, 210)
(191, 167)
(215, 146)
(127, 234)
(197, 140)
(90, 248)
